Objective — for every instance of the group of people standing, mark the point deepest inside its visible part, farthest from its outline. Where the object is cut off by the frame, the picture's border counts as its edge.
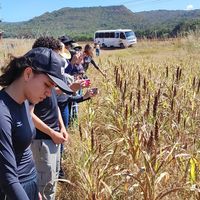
(37, 102)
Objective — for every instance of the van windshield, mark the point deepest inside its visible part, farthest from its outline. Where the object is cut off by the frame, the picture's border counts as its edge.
(129, 34)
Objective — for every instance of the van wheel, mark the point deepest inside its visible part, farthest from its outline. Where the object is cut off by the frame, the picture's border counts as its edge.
(103, 45)
(122, 46)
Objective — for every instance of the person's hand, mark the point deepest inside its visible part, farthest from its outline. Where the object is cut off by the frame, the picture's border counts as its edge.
(89, 94)
(57, 137)
(75, 59)
(65, 134)
(77, 85)
(104, 74)
(87, 83)
(39, 196)
(58, 91)
(79, 59)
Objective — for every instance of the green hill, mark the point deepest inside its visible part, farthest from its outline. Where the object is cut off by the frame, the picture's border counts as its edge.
(81, 23)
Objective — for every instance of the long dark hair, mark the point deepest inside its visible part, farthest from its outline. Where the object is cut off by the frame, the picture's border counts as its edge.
(87, 48)
(13, 70)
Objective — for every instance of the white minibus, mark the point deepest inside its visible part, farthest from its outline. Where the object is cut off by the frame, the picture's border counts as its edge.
(115, 38)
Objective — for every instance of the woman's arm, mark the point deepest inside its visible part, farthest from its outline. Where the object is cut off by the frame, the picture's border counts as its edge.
(62, 126)
(57, 137)
(9, 182)
(80, 98)
(95, 65)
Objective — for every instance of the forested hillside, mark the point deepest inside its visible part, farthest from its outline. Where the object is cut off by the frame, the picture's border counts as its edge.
(81, 23)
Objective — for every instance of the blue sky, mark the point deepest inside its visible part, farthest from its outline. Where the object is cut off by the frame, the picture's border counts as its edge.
(22, 10)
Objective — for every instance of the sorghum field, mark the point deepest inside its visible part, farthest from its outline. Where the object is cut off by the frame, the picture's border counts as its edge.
(139, 138)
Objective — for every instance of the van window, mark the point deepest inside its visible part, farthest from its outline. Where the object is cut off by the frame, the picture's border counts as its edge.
(107, 35)
(122, 36)
(129, 34)
(96, 35)
(116, 35)
(112, 35)
(101, 35)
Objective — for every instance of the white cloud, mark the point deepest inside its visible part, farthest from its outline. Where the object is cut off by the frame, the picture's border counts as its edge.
(190, 7)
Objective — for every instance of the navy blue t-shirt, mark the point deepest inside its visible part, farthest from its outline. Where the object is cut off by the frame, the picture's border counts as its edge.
(74, 69)
(16, 133)
(47, 111)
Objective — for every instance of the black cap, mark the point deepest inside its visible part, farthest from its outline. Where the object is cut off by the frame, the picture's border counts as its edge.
(66, 40)
(49, 62)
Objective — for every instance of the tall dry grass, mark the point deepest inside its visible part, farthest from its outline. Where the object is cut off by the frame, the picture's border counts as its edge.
(139, 138)
(14, 47)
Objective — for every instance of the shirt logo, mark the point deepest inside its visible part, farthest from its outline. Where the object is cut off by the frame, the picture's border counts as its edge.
(19, 124)
(62, 70)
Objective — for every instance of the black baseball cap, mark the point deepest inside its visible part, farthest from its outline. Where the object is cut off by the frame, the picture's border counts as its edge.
(66, 40)
(49, 62)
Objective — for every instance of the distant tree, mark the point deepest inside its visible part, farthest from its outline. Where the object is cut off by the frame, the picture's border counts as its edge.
(183, 28)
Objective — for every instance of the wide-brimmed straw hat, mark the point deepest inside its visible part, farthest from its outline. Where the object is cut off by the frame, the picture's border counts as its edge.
(65, 53)
(76, 46)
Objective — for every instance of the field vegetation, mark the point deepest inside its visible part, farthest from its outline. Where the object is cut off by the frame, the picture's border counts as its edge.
(139, 138)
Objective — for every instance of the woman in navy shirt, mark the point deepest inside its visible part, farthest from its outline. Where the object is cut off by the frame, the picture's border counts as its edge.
(27, 78)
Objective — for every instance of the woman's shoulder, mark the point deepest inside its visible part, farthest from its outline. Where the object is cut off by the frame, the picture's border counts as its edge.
(8, 106)
(3, 100)
(5, 114)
